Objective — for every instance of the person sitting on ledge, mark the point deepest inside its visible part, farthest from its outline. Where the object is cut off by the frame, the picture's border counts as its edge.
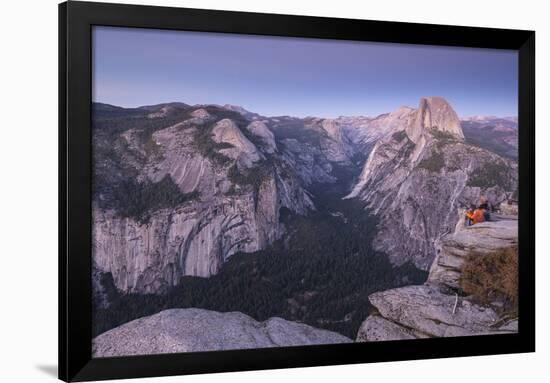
(469, 213)
(484, 204)
(478, 215)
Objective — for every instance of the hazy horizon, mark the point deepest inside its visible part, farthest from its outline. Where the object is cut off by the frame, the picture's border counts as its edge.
(275, 76)
(289, 115)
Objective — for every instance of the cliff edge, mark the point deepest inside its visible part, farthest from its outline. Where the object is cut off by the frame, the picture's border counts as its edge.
(440, 307)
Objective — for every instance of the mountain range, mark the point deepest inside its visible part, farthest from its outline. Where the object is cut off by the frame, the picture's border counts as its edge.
(178, 189)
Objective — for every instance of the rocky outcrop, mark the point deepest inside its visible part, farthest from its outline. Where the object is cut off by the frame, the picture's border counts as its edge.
(259, 129)
(425, 311)
(201, 114)
(415, 179)
(480, 239)
(195, 330)
(439, 307)
(239, 147)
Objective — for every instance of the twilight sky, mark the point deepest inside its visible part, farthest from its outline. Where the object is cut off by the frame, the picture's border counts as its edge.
(294, 76)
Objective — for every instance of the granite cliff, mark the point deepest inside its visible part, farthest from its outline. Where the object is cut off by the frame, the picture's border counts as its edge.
(181, 190)
(416, 178)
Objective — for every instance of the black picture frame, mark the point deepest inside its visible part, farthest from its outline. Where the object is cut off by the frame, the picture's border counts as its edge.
(75, 296)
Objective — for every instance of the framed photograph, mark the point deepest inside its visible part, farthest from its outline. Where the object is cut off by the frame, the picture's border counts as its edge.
(245, 191)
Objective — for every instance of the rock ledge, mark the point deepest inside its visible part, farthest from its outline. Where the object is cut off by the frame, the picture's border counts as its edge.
(438, 308)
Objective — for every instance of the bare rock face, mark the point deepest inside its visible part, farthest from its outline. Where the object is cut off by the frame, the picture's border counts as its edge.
(241, 149)
(335, 143)
(428, 311)
(434, 113)
(415, 181)
(201, 113)
(308, 163)
(195, 330)
(377, 328)
(417, 312)
(259, 129)
(438, 308)
(190, 240)
(194, 238)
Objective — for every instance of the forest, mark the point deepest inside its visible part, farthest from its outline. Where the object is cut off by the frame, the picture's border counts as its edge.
(320, 273)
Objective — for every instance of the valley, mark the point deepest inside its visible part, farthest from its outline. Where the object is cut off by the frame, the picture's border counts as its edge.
(321, 273)
(218, 208)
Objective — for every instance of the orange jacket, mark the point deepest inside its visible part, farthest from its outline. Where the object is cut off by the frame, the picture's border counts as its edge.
(477, 216)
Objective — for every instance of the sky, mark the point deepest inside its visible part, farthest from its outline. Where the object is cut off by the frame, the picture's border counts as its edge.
(300, 77)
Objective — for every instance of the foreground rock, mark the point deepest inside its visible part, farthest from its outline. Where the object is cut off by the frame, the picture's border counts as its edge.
(192, 330)
(426, 311)
(481, 239)
(438, 308)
